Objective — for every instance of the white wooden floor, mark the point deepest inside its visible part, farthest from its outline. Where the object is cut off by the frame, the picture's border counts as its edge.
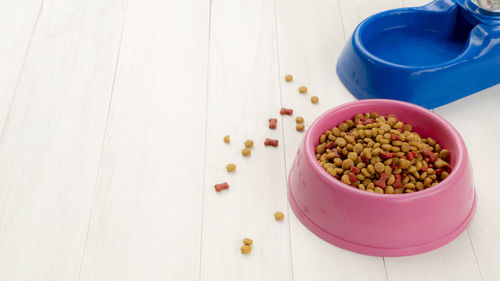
(112, 114)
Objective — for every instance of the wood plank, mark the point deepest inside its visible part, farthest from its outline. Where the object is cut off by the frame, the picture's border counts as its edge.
(438, 265)
(50, 149)
(243, 94)
(310, 39)
(353, 12)
(473, 116)
(146, 219)
(415, 3)
(22, 15)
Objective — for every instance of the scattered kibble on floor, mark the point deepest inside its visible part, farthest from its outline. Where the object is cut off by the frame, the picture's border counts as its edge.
(279, 216)
(271, 142)
(231, 167)
(272, 123)
(381, 154)
(221, 186)
(246, 152)
(245, 249)
(249, 143)
(286, 111)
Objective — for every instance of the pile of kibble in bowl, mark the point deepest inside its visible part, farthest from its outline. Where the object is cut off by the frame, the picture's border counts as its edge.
(381, 154)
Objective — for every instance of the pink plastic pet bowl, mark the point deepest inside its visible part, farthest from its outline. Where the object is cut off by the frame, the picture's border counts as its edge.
(383, 224)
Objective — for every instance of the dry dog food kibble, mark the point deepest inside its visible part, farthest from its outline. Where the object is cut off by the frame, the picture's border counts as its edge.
(226, 139)
(303, 90)
(272, 123)
(314, 99)
(221, 186)
(270, 142)
(286, 111)
(288, 78)
(300, 127)
(246, 152)
(381, 154)
(248, 241)
(299, 119)
(279, 216)
(245, 249)
(249, 143)
(231, 167)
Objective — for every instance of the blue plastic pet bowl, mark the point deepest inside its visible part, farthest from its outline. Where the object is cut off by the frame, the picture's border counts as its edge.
(429, 55)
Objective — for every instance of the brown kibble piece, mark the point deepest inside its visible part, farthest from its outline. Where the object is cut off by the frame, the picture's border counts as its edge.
(389, 190)
(444, 154)
(246, 152)
(314, 99)
(347, 163)
(300, 127)
(249, 143)
(288, 78)
(231, 167)
(345, 179)
(303, 90)
(379, 167)
(341, 142)
(227, 139)
(343, 127)
(358, 148)
(299, 119)
(353, 156)
(439, 163)
(371, 169)
(279, 216)
(247, 241)
(245, 249)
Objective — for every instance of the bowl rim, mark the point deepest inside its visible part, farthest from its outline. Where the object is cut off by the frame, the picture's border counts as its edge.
(331, 181)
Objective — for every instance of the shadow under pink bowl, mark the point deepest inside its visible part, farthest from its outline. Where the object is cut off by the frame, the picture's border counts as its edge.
(383, 224)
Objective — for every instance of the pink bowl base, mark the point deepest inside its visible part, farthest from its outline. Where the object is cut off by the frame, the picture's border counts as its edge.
(374, 251)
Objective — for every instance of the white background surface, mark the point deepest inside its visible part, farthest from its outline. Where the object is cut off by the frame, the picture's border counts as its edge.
(112, 114)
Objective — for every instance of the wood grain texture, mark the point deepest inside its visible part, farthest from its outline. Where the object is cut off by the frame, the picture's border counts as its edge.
(353, 12)
(243, 95)
(146, 219)
(415, 3)
(473, 117)
(310, 38)
(22, 15)
(50, 149)
(454, 261)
